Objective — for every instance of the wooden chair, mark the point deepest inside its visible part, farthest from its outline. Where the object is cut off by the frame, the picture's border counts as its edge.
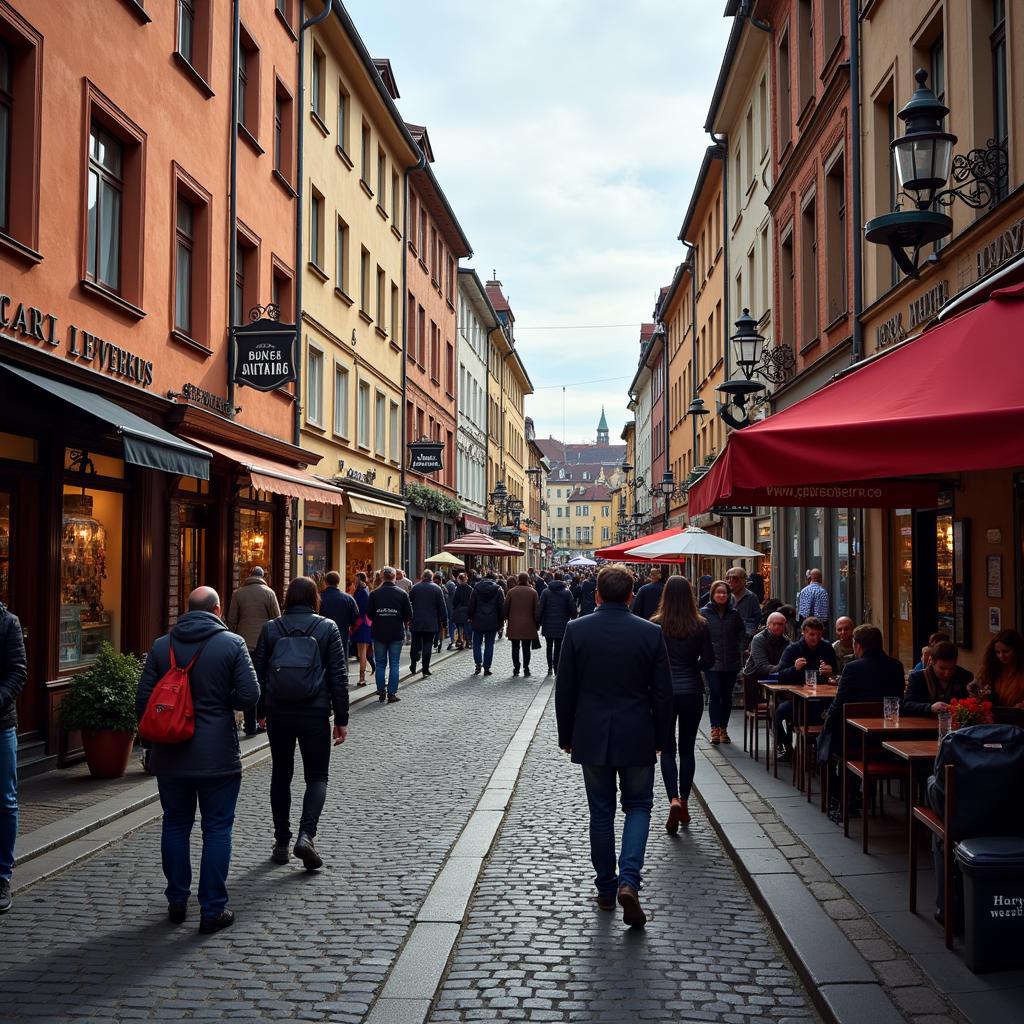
(870, 766)
(925, 818)
(755, 710)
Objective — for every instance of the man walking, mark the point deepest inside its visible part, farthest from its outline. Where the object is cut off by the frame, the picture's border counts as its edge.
(252, 606)
(812, 601)
(429, 617)
(206, 770)
(588, 594)
(744, 602)
(390, 614)
(339, 606)
(13, 673)
(613, 704)
(645, 604)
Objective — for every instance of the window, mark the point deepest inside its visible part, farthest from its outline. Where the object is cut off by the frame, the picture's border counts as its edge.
(785, 93)
(248, 85)
(1000, 119)
(106, 195)
(284, 127)
(281, 289)
(364, 166)
(186, 29)
(314, 385)
(762, 114)
(364, 414)
(246, 276)
(364, 282)
(193, 38)
(435, 352)
(341, 258)
(316, 229)
(379, 425)
(340, 400)
(184, 244)
(835, 239)
(805, 52)
(787, 319)
(396, 199)
(424, 253)
(382, 172)
(343, 105)
(396, 312)
(831, 26)
(381, 299)
(449, 367)
(316, 84)
(413, 208)
(6, 108)
(808, 273)
(395, 434)
(433, 260)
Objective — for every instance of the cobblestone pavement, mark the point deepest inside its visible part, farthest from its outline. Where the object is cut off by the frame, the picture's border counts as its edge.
(93, 943)
(535, 948)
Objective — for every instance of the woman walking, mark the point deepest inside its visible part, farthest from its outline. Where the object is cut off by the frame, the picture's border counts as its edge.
(460, 612)
(361, 634)
(521, 615)
(690, 652)
(727, 635)
(300, 663)
(557, 609)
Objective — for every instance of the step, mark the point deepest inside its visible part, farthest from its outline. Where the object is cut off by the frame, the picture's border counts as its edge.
(32, 757)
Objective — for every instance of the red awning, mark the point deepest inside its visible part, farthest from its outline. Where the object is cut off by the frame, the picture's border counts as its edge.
(618, 552)
(945, 402)
(269, 475)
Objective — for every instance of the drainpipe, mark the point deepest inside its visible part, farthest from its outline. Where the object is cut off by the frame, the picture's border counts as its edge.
(233, 314)
(721, 141)
(855, 158)
(403, 555)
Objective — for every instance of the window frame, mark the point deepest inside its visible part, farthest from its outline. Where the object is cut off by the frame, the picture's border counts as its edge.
(314, 418)
(363, 421)
(187, 188)
(317, 204)
(340, 419)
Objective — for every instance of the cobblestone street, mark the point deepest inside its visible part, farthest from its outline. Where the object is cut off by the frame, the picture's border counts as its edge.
(93, 943)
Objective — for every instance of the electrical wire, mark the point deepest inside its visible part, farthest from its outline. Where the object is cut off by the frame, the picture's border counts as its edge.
(576, 327)
(581, 383)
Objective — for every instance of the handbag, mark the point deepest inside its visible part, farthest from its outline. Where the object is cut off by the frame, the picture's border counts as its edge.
(535, 643)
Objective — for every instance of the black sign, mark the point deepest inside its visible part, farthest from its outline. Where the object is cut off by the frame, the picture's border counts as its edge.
(725, 511)
(265, 354)
(425, 456)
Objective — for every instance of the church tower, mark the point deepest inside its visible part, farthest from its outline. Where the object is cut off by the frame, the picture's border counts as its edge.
(602, 430)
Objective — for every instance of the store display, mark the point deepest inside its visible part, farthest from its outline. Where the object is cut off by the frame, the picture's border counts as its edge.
(84, 624)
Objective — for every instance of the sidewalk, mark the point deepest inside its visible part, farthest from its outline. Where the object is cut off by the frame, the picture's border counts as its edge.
(843, 914)
(64, 806)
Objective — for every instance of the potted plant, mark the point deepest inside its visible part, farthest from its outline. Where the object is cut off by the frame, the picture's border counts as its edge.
(100, 702)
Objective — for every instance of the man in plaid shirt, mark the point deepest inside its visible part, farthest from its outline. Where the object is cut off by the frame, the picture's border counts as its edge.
(813, 599)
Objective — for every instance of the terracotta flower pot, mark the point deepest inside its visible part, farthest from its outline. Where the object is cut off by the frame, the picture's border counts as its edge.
(107, 752)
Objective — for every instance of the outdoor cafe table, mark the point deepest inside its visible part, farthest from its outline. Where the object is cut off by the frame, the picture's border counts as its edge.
(771, 691)
(802, 697)
(917, 754)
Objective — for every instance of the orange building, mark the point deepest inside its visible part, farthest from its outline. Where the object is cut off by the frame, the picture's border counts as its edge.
(436, 243)
(132, 468)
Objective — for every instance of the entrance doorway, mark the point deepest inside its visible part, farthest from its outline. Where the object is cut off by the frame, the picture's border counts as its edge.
(192, 555)
(316, 550)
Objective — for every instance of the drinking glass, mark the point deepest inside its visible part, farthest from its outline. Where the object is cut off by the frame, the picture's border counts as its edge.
(811, 679)
(945, 723)
(891, 710)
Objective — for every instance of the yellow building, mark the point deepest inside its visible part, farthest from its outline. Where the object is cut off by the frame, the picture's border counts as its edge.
(588, 519)
(357, 153)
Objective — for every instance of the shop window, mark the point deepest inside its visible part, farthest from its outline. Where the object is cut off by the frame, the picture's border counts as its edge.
(192, 525)
(248, 87)
(90, 581)
(256, 541)
(284, 137)
(192, 228)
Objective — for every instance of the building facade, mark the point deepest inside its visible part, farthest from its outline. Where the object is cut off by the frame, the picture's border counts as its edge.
(676, 314)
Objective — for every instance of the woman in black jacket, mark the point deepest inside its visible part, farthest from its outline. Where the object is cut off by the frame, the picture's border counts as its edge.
(728, 633)
(303, 685)
(460, 612)
(690, 652)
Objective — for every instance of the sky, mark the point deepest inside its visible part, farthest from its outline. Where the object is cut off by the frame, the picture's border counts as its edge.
(567, 136)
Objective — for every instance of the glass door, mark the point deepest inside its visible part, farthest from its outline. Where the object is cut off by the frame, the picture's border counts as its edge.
(192, 554)
(902, 597)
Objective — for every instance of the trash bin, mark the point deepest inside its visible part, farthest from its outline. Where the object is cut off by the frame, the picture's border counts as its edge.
(993, 873)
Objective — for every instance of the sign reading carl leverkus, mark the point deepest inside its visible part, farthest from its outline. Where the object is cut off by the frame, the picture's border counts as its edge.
(264, 354)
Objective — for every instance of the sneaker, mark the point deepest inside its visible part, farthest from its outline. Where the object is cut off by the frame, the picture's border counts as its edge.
(393, 698)
(306, 852)
(176, 912)
(5, 895)
(209, 925)
(716, 735)
(280, 853)
(632, 912)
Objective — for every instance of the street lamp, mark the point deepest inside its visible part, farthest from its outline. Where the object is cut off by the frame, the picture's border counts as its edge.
(924, 161)
(748, 346)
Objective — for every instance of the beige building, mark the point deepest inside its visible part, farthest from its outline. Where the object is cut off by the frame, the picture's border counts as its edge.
(357, 154)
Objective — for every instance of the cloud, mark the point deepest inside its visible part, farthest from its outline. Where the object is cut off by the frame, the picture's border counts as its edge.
(568, 134)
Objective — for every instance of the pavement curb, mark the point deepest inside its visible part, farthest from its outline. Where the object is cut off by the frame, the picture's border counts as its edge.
(839, 980)
(52, 848)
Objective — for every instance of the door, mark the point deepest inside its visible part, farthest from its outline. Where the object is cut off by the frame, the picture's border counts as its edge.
(192, 555)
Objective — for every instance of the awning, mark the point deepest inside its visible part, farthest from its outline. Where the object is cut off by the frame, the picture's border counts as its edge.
(361, 506)
(946, 402)
(269, 475)
(144, 444)
(618, 552)
(480, 544)
(472, 522)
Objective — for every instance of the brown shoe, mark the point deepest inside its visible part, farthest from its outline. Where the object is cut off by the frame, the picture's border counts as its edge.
(684, 817)
(605, 901)
(675, 815)
(716, 735)
(393, 698)
(725, 737)
(632, 912)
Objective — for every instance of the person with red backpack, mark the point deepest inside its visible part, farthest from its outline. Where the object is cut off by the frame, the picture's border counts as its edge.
(198, 675)
(301, 665)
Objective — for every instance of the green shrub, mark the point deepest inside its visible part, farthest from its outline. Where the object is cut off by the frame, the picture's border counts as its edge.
(103, 696)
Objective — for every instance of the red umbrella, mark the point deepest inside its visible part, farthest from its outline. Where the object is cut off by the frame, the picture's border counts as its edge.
(620, 552)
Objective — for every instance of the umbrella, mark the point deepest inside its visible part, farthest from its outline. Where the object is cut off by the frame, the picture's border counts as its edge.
(694, 541)
(625, 551)
(474, 543)
(579, 561)
(443, 558)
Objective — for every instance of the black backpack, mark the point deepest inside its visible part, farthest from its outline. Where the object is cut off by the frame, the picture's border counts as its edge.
(296, 671)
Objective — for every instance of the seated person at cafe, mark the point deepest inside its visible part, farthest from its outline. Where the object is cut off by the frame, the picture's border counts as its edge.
(844, 645)
(767, 648)
(930, 690)
(1002, 669)
(809, 652)
(935, 638)
(871, 675)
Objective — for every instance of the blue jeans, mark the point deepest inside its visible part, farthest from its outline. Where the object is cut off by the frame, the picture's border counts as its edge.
(216, 799)
(387, 655)
(483, 647)
(637, 789)
(8, 800)
(720, 686)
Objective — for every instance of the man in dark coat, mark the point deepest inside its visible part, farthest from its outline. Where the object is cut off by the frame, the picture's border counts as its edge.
(929, 690)
(486, 607)
(341, 607)
(537, 581)
(556, 610)
(390, 613)
(429, 617)
(810, 652)
(648, 597)
(207, 769)
(13, 673)
(871, 675)
(588, 594)
(613, 704)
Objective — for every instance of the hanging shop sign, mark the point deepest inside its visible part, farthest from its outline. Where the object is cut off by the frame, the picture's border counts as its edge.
(918, 313)
(425, 456)
(207, 399)
(727, 511)
(264, 354)
(31, 324)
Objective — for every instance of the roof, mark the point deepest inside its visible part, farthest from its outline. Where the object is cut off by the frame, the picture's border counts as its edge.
(594, 492)
(428, 188)
(419, 133)
(723, 72)
(497, 297)
(603, 422)
(470, 280)
(383, 66)
(711, 154)
(677, 279)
